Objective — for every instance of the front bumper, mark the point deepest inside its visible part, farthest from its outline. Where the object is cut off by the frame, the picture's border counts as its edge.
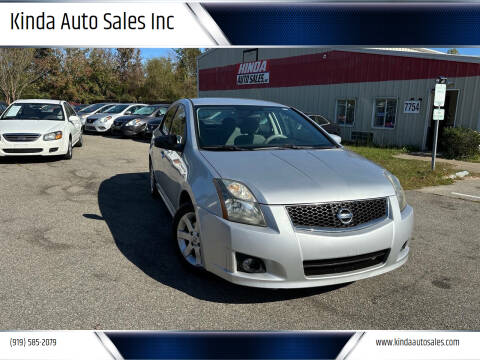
(38, 148)
(132, 130)
(97, 126)
(284, 249)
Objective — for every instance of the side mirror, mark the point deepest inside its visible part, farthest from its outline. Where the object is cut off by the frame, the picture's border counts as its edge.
(337, 138)
(73, 118)
(168, 142)
(129, 112)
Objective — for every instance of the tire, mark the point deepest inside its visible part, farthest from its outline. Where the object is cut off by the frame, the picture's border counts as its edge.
(153, 182)
(69, 153)
(186, 235)
(80, 141)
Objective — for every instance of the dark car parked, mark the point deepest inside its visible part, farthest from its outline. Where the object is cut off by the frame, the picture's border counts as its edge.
(325, 124)
(3, 106)
(152, 124)
(136, 124)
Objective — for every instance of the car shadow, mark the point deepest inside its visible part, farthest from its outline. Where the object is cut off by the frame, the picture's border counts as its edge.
(29, 159)
(141, 229)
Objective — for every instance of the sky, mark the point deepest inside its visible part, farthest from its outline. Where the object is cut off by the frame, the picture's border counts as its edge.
(149, 53)
(463, 51)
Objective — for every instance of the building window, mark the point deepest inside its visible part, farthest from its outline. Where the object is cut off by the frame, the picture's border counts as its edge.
(250, 55)
(385, 113)
(345, 112)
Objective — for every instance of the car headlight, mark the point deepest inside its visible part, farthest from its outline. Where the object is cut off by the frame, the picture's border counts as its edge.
(105, 119)
(402, 201)
(134, 122)
(238, 203)
(57, 135)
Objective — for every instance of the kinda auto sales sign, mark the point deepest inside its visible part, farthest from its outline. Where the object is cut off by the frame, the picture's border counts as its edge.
(252, 73)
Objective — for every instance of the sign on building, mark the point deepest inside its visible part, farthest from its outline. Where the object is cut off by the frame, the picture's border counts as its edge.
(411, 107)
(255, 72)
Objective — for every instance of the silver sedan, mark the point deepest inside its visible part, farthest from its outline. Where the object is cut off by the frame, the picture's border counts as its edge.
(262, 196)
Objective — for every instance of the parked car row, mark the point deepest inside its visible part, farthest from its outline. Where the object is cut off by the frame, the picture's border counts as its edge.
(125, 119)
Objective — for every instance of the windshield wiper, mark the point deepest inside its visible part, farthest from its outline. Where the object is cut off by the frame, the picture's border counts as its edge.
(291, 146)
(226, 148)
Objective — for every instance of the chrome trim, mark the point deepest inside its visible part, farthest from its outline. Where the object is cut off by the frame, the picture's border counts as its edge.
(313, 229)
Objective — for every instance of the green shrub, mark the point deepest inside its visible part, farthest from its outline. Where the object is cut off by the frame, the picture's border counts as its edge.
(457, 143)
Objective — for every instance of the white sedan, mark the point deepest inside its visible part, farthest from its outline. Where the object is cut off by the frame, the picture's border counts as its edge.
(39, 127)
(102, 122)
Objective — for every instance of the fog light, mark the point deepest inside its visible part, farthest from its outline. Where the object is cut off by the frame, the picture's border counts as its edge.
(53, 149)
(249, 264)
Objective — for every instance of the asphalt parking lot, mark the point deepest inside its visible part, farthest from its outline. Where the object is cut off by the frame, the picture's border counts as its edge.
(84, 246)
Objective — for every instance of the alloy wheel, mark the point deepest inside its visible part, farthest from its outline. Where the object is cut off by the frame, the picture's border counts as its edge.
(188, 238)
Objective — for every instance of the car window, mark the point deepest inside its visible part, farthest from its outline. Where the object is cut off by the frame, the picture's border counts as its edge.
(167, 120)
(92, 108)
(69, 111)
(161, 111)
(34, 111)
(256, 127)
(178, 127)
(134, 109)
(145, 110)
(116, 109)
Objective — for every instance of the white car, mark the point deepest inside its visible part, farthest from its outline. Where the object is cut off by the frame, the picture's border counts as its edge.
(39, 127)
(102, 122)
(93, 109)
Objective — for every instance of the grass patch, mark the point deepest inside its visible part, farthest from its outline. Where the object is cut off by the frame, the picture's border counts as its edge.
(413, 174)
(474, 159)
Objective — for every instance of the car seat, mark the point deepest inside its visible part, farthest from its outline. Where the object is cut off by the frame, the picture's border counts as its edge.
(248, 127)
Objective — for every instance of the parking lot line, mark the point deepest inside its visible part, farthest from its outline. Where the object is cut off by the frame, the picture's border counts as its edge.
(472, 196)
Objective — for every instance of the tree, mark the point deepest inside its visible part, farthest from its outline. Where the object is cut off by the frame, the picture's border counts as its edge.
(160, 82)
(453, 51)
(19, 68)
(186, 70)
(130, 70)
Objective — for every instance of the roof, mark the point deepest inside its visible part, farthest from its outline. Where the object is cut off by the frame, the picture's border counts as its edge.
(39, 101)
(233, 101)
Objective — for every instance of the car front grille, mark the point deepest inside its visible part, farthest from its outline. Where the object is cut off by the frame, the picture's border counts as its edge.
(345, 264)
(22, 151)
(21, 137)
(327, 215)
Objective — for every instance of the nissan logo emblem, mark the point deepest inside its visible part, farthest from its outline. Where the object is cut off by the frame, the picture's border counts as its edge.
(345, 216)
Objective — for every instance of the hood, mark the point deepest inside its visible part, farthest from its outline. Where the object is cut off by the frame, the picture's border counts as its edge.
(155, 120)
(279, 177)
(30, 126)
(126, 118)
(98, 116)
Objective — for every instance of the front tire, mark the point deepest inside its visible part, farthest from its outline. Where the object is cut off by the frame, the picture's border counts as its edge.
(186, 234)
(80, 141)
(69, 153)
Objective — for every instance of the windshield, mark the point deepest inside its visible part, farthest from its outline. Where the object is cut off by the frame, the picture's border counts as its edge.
(33, 111)
(161, 110)
(146, 110)
(91, 108)
(256, 127)
(116, 109)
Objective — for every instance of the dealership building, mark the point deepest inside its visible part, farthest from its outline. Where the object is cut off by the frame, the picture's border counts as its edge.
(383, 95)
